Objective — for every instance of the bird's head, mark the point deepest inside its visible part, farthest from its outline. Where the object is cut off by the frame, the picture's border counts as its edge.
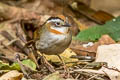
(58, 24)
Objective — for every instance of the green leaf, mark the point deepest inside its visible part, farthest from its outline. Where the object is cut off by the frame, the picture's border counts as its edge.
(112, 28)
(30, 64)
(16, 66)
(27, 62)
(4, 66)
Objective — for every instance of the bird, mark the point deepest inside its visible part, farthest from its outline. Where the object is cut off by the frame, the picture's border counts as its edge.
(54, 36)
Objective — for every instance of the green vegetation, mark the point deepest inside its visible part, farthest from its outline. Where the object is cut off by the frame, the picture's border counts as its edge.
(112, 28)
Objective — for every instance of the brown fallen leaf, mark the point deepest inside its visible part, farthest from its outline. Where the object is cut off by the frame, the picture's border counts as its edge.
(102, 16)
(111, 55)
(66, 56)
(12, 75)
(91, 50)
(99, 17)
(55, 76)
(106, 39)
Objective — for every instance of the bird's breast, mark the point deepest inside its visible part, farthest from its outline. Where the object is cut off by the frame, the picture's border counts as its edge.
(50, 43)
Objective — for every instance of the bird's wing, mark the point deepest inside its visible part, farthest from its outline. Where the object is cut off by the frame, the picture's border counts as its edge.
(37, 33)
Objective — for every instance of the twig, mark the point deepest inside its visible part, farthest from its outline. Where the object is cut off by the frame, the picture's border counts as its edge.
(8, 59)
(92, 77)
(20, 36)
(91, 74)
(113, 68)
(19, 45)
(77, 76)
(7, 47)
(11, 42)
(22, 66)
(16, 43)
(86, 58)
(82, 50)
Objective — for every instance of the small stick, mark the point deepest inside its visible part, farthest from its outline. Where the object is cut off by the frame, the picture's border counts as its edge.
(19, 45)
(8, 59)
(20, 35)
(92, 77)
(84, 58)
(21, 66)
(7, 47)
(77, 77)
(82, 50)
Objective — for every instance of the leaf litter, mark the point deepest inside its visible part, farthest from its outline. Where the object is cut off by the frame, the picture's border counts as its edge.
(77, 69)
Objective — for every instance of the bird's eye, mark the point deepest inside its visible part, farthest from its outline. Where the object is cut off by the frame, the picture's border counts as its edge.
(57, 23)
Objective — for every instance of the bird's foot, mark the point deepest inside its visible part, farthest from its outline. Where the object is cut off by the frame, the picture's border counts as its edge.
(47, 64)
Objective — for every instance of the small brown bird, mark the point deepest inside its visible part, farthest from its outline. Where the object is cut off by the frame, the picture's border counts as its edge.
(53, 37)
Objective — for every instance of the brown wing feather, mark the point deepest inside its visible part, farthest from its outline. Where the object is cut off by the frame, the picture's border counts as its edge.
(37, 33)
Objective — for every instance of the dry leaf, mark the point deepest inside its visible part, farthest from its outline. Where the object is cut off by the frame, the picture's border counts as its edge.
(111, 55)
(91, 13)
(102, 16)
(53, 76)
(65, 56)
(91, 50)
(106, 39)
(12, 75)
(110, 6)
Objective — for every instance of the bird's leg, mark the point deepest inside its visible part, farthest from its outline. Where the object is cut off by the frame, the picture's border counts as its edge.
(47, 64)
(65, 67)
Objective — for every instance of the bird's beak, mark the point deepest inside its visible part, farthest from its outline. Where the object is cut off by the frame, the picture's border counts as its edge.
(66, 25)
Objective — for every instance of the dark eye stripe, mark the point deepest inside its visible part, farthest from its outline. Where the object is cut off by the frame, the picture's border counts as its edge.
(53, 18)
